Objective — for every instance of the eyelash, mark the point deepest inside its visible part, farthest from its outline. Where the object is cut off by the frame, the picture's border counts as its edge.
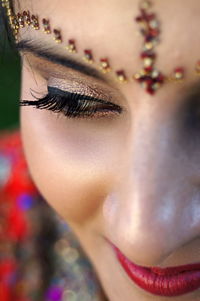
(73, 105)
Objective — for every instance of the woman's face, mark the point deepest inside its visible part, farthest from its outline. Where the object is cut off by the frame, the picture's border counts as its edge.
(129, 178)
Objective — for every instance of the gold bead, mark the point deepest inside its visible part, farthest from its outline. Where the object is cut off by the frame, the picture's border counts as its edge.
(88, 57)
(156, 86)
(178, 75)
(136, 76)
(121, 76)
(104, 65)
(145, 4)
(71, 47)
(148, 62)
(154, 23)
(148, 46)
(154, 73)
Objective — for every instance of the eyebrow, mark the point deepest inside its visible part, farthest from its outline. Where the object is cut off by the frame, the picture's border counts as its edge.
(42, 51)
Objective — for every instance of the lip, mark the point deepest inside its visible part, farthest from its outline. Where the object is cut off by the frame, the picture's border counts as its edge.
(168, 282)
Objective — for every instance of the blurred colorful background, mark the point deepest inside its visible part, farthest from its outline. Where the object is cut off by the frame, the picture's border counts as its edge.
(9, 83)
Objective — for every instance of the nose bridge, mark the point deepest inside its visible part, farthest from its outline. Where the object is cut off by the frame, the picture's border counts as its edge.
(155, 169)
(154, 216)
(153, 149)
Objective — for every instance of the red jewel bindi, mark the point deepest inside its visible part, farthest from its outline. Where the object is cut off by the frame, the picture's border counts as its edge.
(57, 36)
(46, 26)
(178, 74)
(35, 22)
(149, 77)
(88, 57)
(27, 17)
(15, 23)
(121, 76)
(104, 65)
(71, 47)
(20, 20)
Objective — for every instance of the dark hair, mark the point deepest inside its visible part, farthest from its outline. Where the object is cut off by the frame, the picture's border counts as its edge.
(46, 236)
(5, 28)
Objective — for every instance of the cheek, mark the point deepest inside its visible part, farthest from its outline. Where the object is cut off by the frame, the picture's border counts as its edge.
(73, 163)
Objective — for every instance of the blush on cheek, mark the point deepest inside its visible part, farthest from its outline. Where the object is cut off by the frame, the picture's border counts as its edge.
(74, 182)
(75, 197)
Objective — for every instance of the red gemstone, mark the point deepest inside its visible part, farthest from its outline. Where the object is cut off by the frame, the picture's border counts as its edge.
(104, 60)
(179, 70)
(150, 90)
(154, 32)
(46, 25)
(148, 69)
(57, 34)
(20, 20)
(160, 78)
(71, 42)
(150, 17)
(148, 54)
(149, 38)
(45, 22)
(121, 73)
(141, 79)
(27, 17)
(139, 19)
(149, 81)
(35, 21)
(87, 51)
(72, 45)
(88, 54)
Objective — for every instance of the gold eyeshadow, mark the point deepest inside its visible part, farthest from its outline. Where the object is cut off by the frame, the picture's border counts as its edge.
(149, 76)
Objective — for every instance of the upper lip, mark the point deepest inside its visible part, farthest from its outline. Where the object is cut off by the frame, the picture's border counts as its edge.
(176, 269)
(171, 270)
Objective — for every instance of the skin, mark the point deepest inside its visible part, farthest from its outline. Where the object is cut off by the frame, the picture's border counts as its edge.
(131, 178)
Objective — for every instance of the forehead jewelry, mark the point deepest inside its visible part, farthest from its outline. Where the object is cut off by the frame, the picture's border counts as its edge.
(46, 26)
(150, 78)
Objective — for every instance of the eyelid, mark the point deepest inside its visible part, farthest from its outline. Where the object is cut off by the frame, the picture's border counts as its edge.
(69, 80)
(57, 91)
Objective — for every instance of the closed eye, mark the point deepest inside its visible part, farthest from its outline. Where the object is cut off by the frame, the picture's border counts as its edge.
(73, 105)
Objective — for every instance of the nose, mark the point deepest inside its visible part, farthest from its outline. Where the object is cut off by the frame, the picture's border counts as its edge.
(156, 210)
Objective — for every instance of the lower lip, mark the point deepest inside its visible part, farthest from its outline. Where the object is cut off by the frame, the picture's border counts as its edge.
(161, 285)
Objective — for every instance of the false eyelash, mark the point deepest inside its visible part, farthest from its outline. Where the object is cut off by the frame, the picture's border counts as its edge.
(73, 105)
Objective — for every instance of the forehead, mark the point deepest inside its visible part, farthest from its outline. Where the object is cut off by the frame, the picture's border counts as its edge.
(109, 29)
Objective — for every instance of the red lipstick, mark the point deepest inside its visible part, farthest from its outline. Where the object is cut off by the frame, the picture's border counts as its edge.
(169, 282)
